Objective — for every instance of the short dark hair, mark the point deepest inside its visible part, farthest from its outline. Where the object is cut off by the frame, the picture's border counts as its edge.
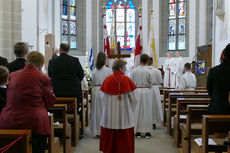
(188, 66)
(4, 73)
(144, 58)
(20, 49)
(64, 47)
(119, 63)
(150, 61)
(101, 58)
(225, 56)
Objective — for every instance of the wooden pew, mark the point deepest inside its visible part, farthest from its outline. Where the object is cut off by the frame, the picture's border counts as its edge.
(172, 105)
(166, 93)
(193, 125)
(60, 115)
(73, 118)
(53, 142)
(21, 146)
(181, 114)
(212, 124)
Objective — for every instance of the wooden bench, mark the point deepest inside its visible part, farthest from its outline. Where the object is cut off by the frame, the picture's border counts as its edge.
(173, 102)
(60, 115)
(53, 142)
(86, 106)
(166, 99)
(193, 125)
(181, 112)
(72, 116)
(212, 124)
(21, 146)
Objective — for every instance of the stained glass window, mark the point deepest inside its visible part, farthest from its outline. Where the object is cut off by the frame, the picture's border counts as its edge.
(177, 25)
(120, 15)
(69, 23)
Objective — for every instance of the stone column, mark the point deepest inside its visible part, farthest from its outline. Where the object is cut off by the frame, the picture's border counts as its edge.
(10, 27)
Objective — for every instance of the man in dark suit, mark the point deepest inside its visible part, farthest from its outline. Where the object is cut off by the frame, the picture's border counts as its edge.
(66, 74)
(3, 61)
(20, 50)
(218, 85)
(55, 55)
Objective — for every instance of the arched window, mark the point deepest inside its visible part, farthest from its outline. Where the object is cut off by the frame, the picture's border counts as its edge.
(69, 23)
(120, 18)
(177, 25)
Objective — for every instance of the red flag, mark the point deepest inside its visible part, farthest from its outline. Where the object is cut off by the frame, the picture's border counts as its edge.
(138, 49)
(106, 38)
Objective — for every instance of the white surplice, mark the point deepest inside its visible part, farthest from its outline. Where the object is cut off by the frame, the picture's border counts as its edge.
(98, 77)
(157, 107)
(187, 81)
(177, 71)
(167, 75)
(143, 112)
(118, 114)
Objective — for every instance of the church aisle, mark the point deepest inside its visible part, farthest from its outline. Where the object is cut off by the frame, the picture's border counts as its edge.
(159, 143)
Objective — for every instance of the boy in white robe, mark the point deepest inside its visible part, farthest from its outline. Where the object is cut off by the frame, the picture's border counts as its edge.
(157, 107)
(177, 70)
(143, 113)
(188, 80)
(98, 76)
(167, 70)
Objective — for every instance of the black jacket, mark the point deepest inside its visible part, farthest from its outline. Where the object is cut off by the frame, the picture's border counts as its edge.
(218, 85)
(3, 61)
(2, 97)
(66, 75)
(16, 65)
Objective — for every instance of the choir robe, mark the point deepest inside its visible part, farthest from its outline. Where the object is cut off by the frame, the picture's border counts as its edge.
(167, 73)
(157, 107)
(117, 123)
(143, 112)
(187, 81)
(98, 77)
(177, 71)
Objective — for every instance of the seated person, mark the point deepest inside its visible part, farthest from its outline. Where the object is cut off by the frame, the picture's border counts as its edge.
(20, 50)
(188, 80)
(29, 95)
(4, 73)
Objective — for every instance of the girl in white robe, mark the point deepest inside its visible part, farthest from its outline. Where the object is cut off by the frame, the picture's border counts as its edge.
(177, 70)
(98, 76)
(167, 70)
(157, 107)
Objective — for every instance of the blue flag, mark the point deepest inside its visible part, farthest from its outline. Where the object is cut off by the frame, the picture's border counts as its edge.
(91, 61)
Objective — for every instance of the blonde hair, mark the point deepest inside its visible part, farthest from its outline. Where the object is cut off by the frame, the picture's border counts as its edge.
(117, 64)
(4, 73)
(170, 53)
(35, 58)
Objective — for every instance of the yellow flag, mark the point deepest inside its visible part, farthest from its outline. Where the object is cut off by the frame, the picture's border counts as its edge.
(152, 48)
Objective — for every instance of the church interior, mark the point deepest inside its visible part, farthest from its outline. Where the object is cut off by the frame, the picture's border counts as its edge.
(198, 31)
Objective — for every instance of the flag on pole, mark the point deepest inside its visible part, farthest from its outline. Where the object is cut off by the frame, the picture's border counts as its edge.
(151, 47)
(139, 44)
(91, 61)
(106, 38)
(112, 33)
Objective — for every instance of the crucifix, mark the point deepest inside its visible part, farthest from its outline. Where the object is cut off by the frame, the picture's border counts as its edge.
(119, 55)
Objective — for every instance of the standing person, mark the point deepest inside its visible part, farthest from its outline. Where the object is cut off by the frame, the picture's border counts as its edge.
(218, 85)
(177, 70)
(3, 61)
(157, 79)
(143, 113)
(66, 75)
(20, 50)
(98, 77)
(188, 80)
(4, 75)
(117, 124)
(29, 95)
(167, 70)
(56, 54)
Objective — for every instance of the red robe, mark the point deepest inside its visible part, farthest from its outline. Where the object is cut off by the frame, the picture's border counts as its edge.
(117, 140)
